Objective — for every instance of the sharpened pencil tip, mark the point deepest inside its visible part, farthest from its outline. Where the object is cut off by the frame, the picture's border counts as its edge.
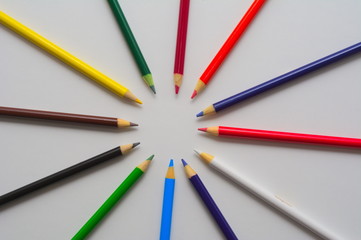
(135, 144)
(176, 89)
(200, 114)
(194, 94)
(184, 163)
(202, 129)
(138, 101)
(197, 151)
(133, 124)
(151, 157)
(153, 89)
(171, 164)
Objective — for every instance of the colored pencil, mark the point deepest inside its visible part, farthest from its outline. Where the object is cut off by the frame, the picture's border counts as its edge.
(66, 57)
(132, 43)
(180, 51)
(113, 199)
(275, 82)
(166, 223)
(67, 172)
(67, 117)
(209, 202)
(282, 136)
(227, 46)
(271, 199)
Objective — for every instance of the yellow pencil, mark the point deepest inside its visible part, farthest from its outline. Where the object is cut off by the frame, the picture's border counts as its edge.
(67, 57)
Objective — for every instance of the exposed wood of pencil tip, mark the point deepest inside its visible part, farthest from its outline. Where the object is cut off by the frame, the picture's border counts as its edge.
(126, 148)
(188, 170)
(177, 81)
(211, 130)
(148, 78)
(206, 157)
(145, 164)
(131, 96)
(207, 111)
(124, 123)
(170, 172)
(200, 85)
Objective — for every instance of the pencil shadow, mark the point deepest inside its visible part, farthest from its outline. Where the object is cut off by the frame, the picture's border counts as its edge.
(283, 144)
(63, 124)
(80, 75)
(283, 87)
(62, 182)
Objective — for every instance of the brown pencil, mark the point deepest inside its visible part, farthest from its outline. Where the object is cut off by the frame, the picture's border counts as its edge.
(67, 117)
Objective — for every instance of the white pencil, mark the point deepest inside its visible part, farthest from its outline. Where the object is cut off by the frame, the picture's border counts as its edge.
(268, 197)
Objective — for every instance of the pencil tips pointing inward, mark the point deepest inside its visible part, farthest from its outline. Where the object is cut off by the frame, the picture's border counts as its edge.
(153, 89)
(194, 94)
(171, 164)
(138, 101)
(126, 148)
(148, 78)
(200, 114)
(197, 152)
(133, 124)
(135, 144)
(177, 81)
(151, 157)
(184, 163)
(202, 129)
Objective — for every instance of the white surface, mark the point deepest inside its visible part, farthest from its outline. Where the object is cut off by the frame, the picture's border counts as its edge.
(323, 182)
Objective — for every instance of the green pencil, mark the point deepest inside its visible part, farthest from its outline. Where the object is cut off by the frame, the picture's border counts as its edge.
(132, 43)
(113, 199)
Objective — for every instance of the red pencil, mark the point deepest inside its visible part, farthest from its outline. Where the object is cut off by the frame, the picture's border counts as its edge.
(181, 43)
(227, 46)
(282, 136)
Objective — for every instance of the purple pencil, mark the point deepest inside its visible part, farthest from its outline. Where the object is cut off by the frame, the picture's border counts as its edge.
(209, 202)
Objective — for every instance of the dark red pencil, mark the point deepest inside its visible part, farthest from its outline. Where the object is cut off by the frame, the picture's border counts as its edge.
(181, 43)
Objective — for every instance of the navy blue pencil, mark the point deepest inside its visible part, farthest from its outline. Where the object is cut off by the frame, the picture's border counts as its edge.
(209, 202)
(275, 82)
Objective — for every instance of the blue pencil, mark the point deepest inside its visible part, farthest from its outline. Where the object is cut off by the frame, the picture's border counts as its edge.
(166, 224)
(275, 82)
(209, 202)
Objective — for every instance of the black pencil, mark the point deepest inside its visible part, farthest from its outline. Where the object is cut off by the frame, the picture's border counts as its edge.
(103, 157)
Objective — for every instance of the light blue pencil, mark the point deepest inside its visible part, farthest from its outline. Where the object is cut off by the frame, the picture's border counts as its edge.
(166, 224)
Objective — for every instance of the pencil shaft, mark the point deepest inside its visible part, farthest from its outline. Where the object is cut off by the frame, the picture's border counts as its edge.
(287, 136)
(68, 117)
(60, 175)
(129, 37)
(232, 40)
(109, 204)
(166, 223)
(65, 56)
(275, 82)
(273, 200)
(181, 36)
(213, 208)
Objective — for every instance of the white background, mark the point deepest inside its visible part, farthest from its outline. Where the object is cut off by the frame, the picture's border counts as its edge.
(321, 181)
